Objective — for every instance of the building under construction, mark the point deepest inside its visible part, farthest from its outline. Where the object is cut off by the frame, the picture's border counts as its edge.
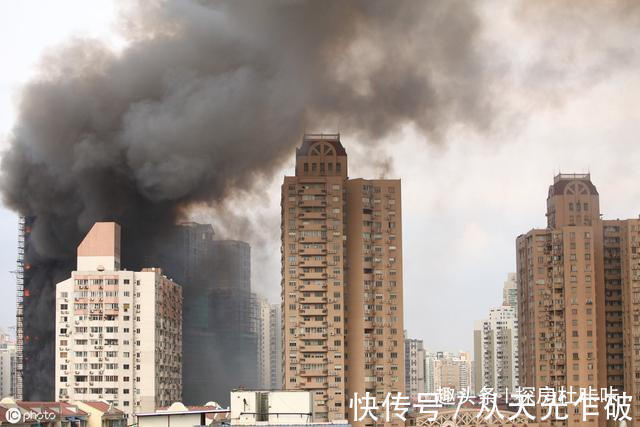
(35, 316)
(20, 267)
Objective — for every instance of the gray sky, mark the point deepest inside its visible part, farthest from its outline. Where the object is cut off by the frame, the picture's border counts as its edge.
(571, 92)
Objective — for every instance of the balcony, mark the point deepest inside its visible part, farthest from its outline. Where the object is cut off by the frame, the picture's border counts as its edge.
(319, 191)
(314, 348)
(313, 263)
(313, 385)
(313, 300)
(313, 276)
(312, 287)
(313, 251)
(315, 336)
(314, 373)
(313, 311)
(313, 323)
(311, 203)
(312, 215)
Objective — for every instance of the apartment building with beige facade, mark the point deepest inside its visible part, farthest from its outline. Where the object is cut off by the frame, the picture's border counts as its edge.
(342, 281)
(620, 310)
(579, 284)
(118, 332)
(557, 286)
(452, 371)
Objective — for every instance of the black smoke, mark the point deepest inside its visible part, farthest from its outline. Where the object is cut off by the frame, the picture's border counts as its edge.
(206, 99)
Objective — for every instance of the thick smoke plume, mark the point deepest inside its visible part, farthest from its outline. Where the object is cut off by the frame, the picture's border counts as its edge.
(208, 98)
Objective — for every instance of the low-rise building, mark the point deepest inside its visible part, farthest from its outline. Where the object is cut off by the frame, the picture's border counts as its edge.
(179, 415)
(102, 414)
(274, 408)
(42, 414)
(281, 407)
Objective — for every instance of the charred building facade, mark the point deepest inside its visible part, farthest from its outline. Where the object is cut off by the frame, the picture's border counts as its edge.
(35, 316)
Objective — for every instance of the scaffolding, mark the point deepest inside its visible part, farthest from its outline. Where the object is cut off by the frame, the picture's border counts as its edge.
(19, 309)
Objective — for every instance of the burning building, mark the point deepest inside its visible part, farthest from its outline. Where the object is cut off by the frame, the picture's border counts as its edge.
(206, 101)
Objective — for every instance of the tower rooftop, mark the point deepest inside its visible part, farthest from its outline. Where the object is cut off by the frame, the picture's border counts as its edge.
(332, 139)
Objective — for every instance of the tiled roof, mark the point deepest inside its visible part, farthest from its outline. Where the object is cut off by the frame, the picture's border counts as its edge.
(102, 406)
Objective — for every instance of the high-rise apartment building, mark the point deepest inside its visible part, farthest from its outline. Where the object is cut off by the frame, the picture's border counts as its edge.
(557, 290)
(451, 370)
(118, 332)
(630, 283)
(342, 280)
(262, 317)
(496, 350)
(269, 330)
(36, 276)
(579, 290)
(510, 292)
(7, 365)
(275, 347)
(618, 306)
(430, 372)
(414, 368)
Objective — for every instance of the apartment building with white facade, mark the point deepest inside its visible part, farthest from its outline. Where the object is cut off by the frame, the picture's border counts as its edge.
(262, 310)
(496, 343)
(118, 332)
(510, 291)
(275, 347)
(7, 365)
(496, 350)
